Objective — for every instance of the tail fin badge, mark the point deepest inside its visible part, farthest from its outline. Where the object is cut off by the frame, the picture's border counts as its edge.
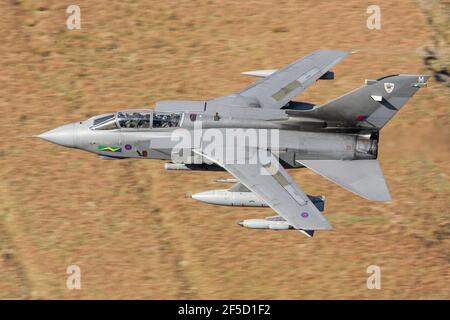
(389, 87)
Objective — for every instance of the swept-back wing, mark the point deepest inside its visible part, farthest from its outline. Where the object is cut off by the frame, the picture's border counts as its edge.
(280, 87)
(277, 189)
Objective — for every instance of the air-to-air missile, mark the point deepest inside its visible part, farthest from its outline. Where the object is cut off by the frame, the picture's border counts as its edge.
(278, 222)
(225, 197)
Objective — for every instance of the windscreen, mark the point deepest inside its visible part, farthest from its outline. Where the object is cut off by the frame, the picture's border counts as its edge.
(105, 123)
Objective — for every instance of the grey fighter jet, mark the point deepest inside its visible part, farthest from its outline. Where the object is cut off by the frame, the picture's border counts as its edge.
(338, 139)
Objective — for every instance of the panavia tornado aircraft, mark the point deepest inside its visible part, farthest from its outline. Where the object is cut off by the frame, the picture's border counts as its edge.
(337, 139)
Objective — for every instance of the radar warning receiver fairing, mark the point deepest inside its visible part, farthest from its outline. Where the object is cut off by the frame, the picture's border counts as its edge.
(337, 139)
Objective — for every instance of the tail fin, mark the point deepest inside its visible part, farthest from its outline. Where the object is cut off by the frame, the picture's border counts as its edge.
(374, 104)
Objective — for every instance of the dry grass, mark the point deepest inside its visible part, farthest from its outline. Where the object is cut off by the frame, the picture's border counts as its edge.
(128, 224)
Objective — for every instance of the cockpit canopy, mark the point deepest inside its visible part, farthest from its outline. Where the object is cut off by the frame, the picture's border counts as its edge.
(129, 120)
(138, 119)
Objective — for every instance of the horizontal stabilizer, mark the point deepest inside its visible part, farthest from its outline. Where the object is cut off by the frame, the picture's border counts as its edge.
(362, 177)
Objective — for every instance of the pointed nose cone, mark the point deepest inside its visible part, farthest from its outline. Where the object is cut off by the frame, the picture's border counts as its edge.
(64, 135)
(201, 196)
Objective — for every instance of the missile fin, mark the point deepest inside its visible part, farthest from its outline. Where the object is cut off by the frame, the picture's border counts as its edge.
(308, 233)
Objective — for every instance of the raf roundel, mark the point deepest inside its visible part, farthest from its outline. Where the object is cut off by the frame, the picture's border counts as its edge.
(128, 147)
(305, 215)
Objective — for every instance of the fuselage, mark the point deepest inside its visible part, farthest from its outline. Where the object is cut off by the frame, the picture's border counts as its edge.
(149, 134)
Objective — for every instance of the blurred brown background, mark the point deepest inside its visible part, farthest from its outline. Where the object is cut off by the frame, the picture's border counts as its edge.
(128, 225)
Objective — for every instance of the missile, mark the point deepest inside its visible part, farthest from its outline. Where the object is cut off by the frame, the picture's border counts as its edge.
(272, 223)
(194, 167)
(224, 197)
(265, 224)
(225, 180)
